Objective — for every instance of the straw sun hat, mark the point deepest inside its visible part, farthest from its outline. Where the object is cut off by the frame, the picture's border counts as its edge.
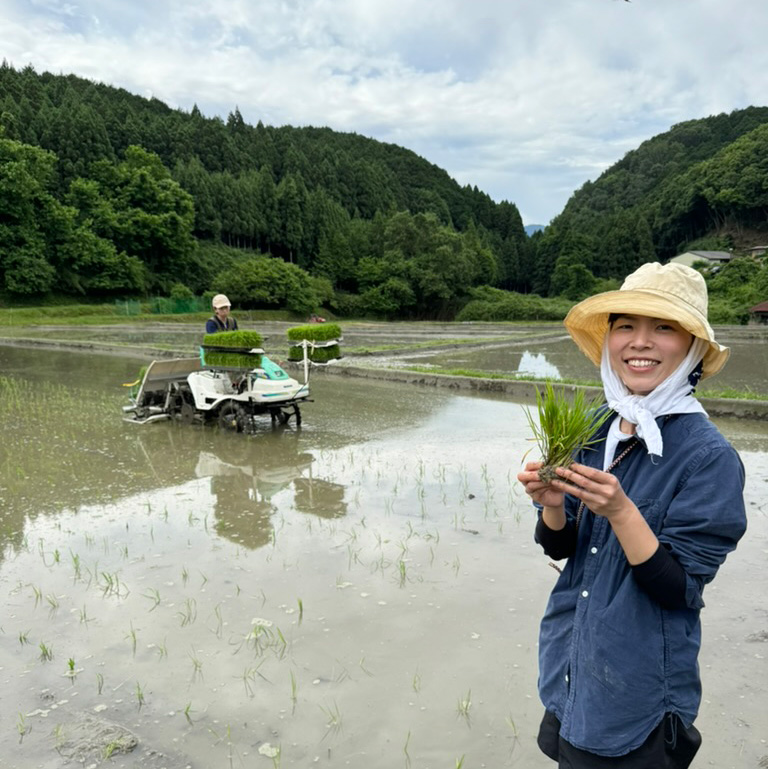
(668, 292)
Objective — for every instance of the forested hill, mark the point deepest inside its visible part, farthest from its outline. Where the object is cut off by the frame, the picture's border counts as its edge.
(105, 192)
(702, 184)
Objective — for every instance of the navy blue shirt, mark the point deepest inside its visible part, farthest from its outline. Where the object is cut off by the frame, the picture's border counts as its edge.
(612, 660)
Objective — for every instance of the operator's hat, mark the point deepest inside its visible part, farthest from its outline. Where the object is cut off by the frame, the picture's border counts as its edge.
(668, 292)
(220, 301)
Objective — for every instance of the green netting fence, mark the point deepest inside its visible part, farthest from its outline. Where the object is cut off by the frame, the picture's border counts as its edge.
(160, 305)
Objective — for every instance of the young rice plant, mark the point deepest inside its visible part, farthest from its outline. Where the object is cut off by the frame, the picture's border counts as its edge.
(564, 428)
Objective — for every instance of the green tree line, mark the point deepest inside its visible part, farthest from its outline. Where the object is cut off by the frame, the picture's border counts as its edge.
(106, 193)
(701, 185)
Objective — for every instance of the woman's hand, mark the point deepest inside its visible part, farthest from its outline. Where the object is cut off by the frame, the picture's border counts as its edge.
(544, 494)
(601, 492)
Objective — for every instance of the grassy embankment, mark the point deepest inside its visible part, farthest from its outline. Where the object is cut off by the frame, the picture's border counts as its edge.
(726, 392)
(109, 314)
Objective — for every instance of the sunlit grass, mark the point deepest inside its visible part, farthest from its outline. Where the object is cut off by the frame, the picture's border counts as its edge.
(726, 392)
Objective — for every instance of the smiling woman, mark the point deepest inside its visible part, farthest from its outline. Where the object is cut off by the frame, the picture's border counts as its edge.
(645, 351)
(645, 521)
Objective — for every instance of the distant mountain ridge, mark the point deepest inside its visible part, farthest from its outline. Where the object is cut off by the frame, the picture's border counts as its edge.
(531, 228)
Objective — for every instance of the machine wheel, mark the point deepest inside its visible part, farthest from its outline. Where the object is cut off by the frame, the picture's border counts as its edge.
(175, 404)
(187, 413)
(283, 416)
(232, 417)
(280, 417)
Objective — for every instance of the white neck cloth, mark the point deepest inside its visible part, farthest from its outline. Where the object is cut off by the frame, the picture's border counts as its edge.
(672, 396)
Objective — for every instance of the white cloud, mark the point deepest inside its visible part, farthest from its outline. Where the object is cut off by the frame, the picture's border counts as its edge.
(526, 100)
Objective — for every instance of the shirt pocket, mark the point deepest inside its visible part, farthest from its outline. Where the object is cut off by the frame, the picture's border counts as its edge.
(651, 510)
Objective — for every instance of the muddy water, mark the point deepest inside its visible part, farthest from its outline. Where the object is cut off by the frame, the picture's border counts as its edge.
(361, 592)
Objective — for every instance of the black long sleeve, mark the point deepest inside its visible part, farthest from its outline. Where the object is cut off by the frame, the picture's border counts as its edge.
(557, 544)
(663, 578)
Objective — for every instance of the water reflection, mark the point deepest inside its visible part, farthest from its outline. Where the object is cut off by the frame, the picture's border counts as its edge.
(536, 364)
(250, 482)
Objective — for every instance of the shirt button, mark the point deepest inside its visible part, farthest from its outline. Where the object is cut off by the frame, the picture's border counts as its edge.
(584, 593)
(566, 678)
(593, 550)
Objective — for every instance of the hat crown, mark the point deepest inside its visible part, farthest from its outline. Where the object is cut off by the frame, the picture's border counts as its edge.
(673, 280)
(220, 301)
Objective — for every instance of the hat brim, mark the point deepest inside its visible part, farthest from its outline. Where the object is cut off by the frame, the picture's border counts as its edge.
(587, 322)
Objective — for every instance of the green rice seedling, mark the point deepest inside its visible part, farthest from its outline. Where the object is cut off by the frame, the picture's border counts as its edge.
(75, 564)
(294, 690)
(197, 666)
(111, 584)
(189, 615)
(219, 620)
(364, 668)
(46, 652)
(153, 595)
(58, 733)
(162, 649)
(24, 637)
(280, 644)
(131, 636)
(38, 595)
(301, 610)
(110, 749)
(188, 713)
(463, 706)
(405, 750)
(84, 618)
(139, 695)
(460, 762)
(416, 683)
(564, 428)
(249, 677)
(21, 727)
(100, 682)
(335, 723)
(342, 675)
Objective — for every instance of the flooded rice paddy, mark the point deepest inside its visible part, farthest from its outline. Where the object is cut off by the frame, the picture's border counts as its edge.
(363, 591)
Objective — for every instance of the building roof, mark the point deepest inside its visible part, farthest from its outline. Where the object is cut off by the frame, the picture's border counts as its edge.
(762, 307)
(720, 255)
(689, 258)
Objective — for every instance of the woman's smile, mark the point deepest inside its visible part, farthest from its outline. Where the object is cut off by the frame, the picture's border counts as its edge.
(645, 351)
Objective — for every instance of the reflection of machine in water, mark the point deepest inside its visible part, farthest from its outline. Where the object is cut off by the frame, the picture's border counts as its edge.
(251, 481)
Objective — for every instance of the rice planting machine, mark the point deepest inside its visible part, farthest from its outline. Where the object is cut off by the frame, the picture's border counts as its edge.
(232, 383)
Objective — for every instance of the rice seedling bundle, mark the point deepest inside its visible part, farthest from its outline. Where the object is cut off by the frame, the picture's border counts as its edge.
(325, 336)
(314, 332)
(230, 349)
(564, 427)
(316, 354)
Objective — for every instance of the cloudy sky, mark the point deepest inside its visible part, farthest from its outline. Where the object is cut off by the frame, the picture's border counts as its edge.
(527, 99)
